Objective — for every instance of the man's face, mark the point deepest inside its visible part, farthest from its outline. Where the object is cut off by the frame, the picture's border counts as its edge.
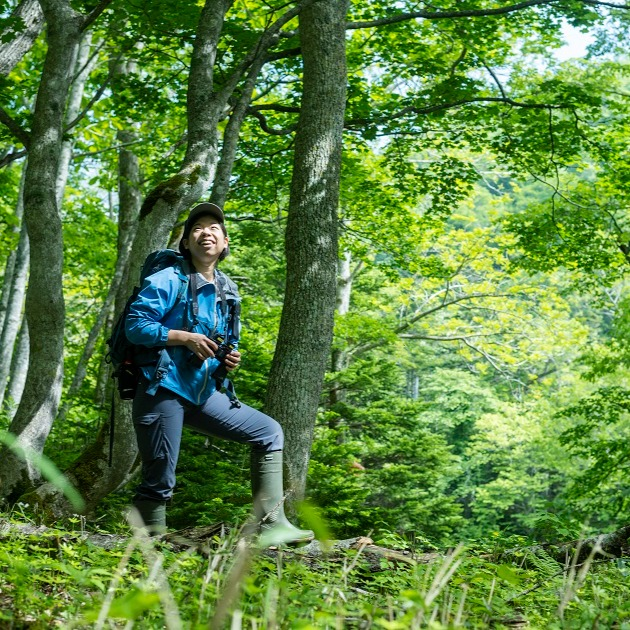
(206, 240)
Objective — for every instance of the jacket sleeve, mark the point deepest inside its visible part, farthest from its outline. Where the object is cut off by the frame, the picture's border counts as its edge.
(156, 299)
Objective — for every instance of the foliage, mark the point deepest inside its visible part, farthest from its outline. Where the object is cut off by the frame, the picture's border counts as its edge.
(58, 578)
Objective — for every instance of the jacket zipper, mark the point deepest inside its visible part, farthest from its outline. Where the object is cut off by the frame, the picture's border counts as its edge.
(205, 382)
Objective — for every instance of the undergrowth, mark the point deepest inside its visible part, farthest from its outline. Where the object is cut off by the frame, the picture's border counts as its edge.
(61, 579)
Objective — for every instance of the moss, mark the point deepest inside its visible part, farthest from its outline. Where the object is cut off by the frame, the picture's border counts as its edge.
(39, 506)
(169, 190)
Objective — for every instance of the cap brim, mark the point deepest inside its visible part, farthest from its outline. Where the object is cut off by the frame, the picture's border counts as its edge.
(206, 209)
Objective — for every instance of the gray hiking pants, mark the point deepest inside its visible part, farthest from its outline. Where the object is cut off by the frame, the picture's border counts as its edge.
(159, 421)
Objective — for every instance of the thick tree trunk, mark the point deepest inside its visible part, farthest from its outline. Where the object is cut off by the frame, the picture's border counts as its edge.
(13, 318)
(306, 327)
(45, 310)
(17, 41)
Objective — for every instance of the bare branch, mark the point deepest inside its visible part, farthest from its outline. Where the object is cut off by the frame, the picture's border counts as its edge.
(112, 148)
(484, 354)
(11, 157)
(442, 106)
(266, 128)
(446, 14)
(284, 54)
(405, 325)
(97, 95)
(267, 39)
(94, 13)
(14, 127)
(285, 109)
(450, 338)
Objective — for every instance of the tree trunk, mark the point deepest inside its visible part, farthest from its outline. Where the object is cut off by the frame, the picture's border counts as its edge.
(13, 318)
(20, 39)
(221, 184)
(339, 356)
(9, 269)
(19, 368)
(306, 326)
(82, 70)
(91, 473)
(45, 310)
(129, 208)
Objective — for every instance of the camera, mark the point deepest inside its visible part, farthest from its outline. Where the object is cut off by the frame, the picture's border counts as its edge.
(219, 354)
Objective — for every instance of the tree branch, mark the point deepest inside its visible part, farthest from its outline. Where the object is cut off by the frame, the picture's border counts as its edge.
(449, 338)
(405, 325)
(267, 39)
(91, 17)
(446, 14)
(11, 157)
(266, 128)
(95, 98)
(20, 133)
(284, 54)
(112, 148)
(442, 106)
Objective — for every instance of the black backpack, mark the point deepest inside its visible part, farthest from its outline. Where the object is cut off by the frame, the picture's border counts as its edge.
(125, 357)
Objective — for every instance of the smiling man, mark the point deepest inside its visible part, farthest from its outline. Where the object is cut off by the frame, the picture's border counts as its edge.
(186, 319)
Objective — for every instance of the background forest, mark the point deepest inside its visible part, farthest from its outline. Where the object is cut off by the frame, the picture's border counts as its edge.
(428, 216)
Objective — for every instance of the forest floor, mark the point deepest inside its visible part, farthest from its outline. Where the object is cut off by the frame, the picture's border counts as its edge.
(210, 578)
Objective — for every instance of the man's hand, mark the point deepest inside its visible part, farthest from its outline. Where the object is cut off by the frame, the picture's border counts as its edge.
(201, 346)
(232, 360)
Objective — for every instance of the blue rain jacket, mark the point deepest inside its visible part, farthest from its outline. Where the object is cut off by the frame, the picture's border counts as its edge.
(165, 303)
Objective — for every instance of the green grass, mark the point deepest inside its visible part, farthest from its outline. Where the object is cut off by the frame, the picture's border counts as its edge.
(57, 579)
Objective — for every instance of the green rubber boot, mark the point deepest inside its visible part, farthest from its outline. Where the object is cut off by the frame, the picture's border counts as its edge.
(275, 528)
(153, 514)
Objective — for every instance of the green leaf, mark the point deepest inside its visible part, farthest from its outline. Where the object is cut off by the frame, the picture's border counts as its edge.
(507, 574)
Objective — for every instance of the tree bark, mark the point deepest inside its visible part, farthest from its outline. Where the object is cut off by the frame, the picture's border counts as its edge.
(221, 184)
(129, 196)
(12, 51)
(83, 70)
(19, 368)
(306, 326)
(206, 107)
(13, 318)
(339, 356)
(9, 269)
(130, 199)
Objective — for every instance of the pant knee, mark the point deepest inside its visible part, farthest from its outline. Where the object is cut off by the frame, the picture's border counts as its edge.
(274, 439)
